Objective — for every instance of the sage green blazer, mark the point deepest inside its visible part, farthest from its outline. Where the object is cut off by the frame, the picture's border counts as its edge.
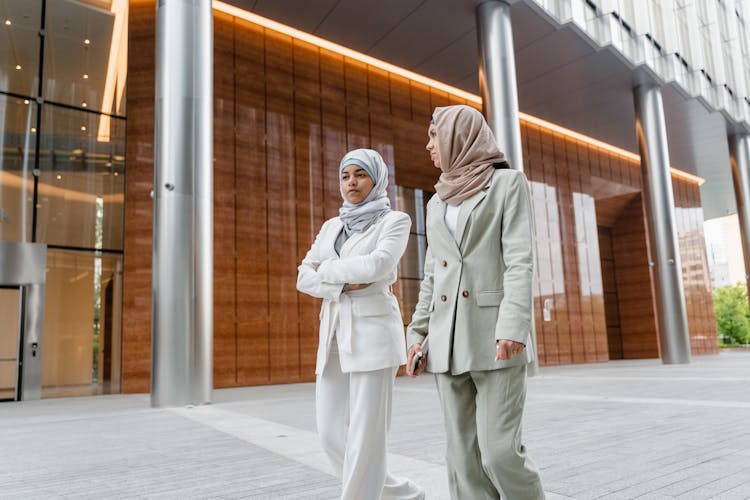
(479, 289)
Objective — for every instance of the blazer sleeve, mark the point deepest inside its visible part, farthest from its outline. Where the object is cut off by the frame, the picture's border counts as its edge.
(309, 279)
(514, 317)
(420, 320)
(378, 264)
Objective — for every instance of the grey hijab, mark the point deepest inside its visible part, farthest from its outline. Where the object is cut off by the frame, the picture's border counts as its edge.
(357, 218)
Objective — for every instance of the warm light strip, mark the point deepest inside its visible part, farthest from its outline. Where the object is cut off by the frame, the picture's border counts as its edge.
(116, 66)
(347, 52)
(340, 49)
(603, 145)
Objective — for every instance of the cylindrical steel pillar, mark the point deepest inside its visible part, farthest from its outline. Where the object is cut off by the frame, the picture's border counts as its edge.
(182, 267)
(497, 77)
(739, 148)
(204, 208)
(497, 83)
(659, 201)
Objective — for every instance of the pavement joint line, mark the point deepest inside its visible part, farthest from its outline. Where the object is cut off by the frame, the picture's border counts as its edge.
(654, 401)
(643, 379)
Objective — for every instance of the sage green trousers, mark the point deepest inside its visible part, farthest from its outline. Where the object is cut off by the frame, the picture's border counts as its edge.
(486, 459)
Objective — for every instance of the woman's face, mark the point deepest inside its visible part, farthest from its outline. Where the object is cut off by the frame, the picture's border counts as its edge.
(356, 184)
(432, 145)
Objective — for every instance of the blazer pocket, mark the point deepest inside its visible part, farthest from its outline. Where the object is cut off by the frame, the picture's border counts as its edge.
(487, 299)
(372, 308)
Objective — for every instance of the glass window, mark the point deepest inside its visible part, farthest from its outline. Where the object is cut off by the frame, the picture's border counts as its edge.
(81, 179)
(17, 146)
(81, 349)
(20, 21)
(85, 54)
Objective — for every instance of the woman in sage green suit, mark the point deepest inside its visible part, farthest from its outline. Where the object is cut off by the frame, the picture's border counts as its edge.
(475, 304)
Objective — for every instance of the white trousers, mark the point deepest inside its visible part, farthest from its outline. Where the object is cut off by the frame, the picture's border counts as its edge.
(353, 413)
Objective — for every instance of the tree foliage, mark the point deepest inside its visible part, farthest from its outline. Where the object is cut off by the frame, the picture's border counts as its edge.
(732, 313)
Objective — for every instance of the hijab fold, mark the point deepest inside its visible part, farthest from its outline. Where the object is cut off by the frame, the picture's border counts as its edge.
(467, 152)
(359, 217)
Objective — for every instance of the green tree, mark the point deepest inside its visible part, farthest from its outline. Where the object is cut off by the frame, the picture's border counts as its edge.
(732, 313)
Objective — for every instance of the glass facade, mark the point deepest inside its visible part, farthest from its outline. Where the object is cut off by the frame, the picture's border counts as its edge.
(62, 170)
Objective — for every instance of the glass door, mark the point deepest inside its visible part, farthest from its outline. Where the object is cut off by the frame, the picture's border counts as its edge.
(10, 329)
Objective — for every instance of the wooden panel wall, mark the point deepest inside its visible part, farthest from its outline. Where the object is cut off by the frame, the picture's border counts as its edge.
(638, 325)
(285, 112)
(695, 278)
(139, 179)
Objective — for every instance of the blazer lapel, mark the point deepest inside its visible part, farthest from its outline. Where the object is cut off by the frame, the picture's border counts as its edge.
(350, 243)
(439, 223)
(330, 247)
(466, 208)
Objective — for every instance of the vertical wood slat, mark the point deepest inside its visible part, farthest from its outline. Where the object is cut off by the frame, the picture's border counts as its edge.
(570, 253)
(253, 343)
(225, 266)
(139, 179)
(309, 186)
(333, 118)
(282, 217)
(637, 314)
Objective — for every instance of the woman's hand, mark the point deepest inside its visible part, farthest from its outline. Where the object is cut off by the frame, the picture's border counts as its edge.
(415, 350)
(348, 287)
(506, 349)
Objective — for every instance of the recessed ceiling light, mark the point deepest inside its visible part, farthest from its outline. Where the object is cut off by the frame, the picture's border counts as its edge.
(87, 41)
(116, 174)
(33, 130)
(83, 104)
(59, 177)
(85, 76)
(18, 66)
(7, 22)
(25, 101)
(83, 127)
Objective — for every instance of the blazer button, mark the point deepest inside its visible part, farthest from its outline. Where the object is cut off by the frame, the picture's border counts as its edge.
(445, 263)
(465, 293)
(443, 298)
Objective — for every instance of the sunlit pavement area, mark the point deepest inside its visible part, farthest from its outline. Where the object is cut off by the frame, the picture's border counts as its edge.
(617, 430)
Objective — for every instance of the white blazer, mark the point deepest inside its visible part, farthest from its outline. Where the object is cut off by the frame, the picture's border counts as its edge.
(367, 323)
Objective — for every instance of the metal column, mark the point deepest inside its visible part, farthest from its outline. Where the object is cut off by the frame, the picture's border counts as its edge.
(659, 201)
(24, 265)
(497, 84)
(739, 149)
(182, 300)
(497, 77)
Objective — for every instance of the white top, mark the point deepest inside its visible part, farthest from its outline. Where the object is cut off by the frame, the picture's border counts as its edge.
(451, 218)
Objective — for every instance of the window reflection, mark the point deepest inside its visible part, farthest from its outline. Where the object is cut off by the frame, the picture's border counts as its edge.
(20, 21)
(81, 353)
(17, 143)
(85, 54)
(77, 172)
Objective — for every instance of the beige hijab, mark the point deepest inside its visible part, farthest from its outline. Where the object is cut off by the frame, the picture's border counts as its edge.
(467, 152)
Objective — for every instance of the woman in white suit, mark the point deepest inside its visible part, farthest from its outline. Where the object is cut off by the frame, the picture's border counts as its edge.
(351, 266)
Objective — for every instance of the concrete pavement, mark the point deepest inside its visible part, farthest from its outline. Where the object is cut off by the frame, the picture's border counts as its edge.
(617, 430)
